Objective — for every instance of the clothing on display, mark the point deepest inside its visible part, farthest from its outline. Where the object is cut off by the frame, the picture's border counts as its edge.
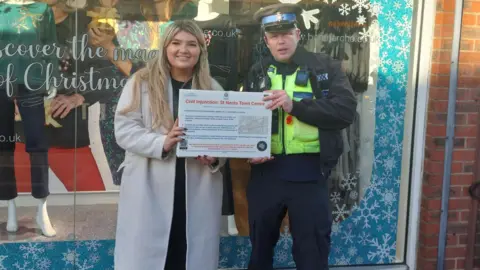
(72, 131)
(31, 26)
(69, 136)
(33, 112)
(221, 36)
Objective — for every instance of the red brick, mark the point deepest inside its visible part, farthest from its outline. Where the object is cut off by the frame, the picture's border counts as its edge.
(430, 228)
(440, 68)
(443, 31)
(433, 179)
(472, 119)
(462, 239)
(465, 94)
(449, 263)
(460, 263)
(462, 179)
(465, 131)
(463, 106)
(452, 240)
(437, 43)
(447, 18)
(467, 45)
(438, 93)
(441, 57)
(467, 168)
(430, 252)
(458, 228)
(452, 252)
(459, 204)
(457, 192)
(469, 81)
(430, 240)
(438, 106)
(471, 6)
(438, 118)
(471, 143)
(477, 42)
(434, 204)
(465, 69)
(465, 215)
(436, 155)
(476, 68)
(470, 57)
(469, 19)
(446, 5)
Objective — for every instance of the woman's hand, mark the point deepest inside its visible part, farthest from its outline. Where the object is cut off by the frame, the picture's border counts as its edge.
(206, 160)
(259, 160)
(173, 137)
(62, 105)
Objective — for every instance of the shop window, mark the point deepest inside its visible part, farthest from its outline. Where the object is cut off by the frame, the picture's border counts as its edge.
(370, 38)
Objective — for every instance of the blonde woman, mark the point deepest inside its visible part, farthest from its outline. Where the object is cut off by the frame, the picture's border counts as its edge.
(169, 211)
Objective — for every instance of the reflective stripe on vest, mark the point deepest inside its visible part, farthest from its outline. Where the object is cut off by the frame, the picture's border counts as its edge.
(294, 137)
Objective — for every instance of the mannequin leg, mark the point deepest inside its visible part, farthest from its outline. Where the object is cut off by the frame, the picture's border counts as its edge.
(8, 187)
(32, 111)
(12, 225)
(232, 226)
(43, 220)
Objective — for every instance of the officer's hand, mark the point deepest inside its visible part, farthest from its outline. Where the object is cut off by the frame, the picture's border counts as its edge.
(279, 98)
(259, 160)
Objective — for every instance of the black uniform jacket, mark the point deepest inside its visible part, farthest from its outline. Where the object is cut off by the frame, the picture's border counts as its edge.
(335, 104)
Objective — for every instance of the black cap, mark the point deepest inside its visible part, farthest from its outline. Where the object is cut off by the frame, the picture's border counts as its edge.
(278, 17)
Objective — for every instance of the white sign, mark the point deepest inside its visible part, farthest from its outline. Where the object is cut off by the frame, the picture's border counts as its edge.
(224, 124)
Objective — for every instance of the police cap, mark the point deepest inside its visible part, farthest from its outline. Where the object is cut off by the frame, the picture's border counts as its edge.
(278, 17)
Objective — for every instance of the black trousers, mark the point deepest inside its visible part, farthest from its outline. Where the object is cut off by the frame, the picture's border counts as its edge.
(32, 111)
(177, 245)
(309, 215)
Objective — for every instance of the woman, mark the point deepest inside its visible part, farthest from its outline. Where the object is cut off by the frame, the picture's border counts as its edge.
(159, 192)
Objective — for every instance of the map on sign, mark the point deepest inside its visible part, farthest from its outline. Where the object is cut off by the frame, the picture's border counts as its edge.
(253, 125)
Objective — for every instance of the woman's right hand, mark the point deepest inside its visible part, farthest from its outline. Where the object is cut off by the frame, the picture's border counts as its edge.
(173, 137)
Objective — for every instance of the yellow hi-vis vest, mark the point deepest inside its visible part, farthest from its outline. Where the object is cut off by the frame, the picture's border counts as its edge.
(294, 136)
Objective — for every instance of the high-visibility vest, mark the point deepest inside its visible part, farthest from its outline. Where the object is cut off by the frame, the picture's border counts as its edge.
(294, 136)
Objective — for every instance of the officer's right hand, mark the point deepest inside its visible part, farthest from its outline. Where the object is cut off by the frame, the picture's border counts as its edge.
(259, 160)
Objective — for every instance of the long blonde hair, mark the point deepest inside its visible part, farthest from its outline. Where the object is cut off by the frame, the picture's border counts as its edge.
(157, 74)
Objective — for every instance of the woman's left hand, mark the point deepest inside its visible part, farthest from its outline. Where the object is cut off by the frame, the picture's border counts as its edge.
(206, 160)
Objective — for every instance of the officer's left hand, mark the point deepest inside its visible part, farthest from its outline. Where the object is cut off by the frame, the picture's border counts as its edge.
(279, 98)
(206, 160)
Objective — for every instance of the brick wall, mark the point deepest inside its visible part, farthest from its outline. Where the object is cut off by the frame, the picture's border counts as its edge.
(465, 136)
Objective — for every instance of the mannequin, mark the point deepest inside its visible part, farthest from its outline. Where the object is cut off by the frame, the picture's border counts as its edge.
(38, 30)
(205, 12)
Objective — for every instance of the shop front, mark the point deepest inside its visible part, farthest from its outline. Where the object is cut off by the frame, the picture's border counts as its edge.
(95, 45)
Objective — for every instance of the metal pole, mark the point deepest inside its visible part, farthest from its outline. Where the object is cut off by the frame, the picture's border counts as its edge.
(452, 98)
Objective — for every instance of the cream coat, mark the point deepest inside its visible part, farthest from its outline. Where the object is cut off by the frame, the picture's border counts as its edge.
(145, 206)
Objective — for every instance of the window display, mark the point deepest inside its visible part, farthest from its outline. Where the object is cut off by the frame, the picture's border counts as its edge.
(100, 44)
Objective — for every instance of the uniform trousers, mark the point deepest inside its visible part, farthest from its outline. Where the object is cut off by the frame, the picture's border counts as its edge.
(177, 244)
(308, 205)
(32, 111)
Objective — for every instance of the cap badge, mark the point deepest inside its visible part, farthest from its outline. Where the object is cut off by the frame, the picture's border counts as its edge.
(279, 17)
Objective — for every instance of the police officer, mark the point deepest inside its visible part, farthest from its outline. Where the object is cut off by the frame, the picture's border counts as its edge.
(312, 101)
